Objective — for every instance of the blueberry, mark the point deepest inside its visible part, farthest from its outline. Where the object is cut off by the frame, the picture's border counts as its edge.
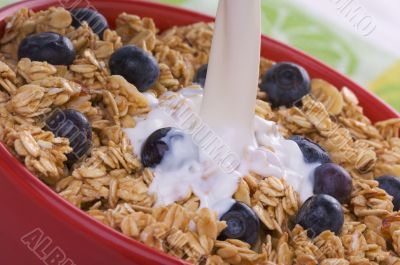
(168, 140)
(319, 213)
(312, 152)
(391, 185)
(73, 125)
(47, 47)
(137, 66)
(333, 180)
(242, 223)
(201, 74)
(96, 21)
(286, 84)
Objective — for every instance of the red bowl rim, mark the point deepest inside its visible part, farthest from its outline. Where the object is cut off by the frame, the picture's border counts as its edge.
(59, 207)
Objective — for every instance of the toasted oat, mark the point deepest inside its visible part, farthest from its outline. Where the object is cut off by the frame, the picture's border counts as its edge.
(43, 153)
(368, 199)
(328, 95)
(7, 78)
(137, 31)
(32, 71)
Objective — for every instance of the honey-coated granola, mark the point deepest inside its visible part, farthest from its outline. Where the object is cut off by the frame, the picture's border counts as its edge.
(112, 186)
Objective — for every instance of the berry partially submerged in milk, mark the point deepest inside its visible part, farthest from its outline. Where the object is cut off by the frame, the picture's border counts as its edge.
(205, 174)
(169, 144)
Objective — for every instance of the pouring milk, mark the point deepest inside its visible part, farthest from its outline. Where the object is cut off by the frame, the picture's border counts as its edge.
(233, 69)
(226, 108)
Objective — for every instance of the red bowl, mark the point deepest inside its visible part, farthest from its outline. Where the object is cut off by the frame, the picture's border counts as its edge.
(39, 227)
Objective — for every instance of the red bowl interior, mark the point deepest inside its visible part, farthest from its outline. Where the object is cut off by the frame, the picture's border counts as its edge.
(67, 234)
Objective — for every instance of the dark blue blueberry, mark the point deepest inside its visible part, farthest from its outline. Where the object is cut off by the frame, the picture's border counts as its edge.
(201, 74)
(312, 152)
(286, 84)
(391, 185)
(47, 47)
(163, 141)
(320, 213)
(242, 223)
(96, 21)
(137, 66)
(71, 124)
(333, 180)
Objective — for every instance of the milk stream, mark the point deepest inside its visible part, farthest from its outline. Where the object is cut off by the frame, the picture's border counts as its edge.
(232, 77)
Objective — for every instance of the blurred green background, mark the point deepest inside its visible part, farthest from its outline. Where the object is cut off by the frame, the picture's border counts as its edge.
(324, 30)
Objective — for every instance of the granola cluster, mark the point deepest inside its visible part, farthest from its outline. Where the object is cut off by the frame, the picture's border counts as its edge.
(111, 185)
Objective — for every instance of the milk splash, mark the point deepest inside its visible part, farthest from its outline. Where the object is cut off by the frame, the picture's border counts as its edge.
(269, 154)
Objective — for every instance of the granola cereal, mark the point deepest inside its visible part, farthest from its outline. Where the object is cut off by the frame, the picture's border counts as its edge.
(113, 184)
